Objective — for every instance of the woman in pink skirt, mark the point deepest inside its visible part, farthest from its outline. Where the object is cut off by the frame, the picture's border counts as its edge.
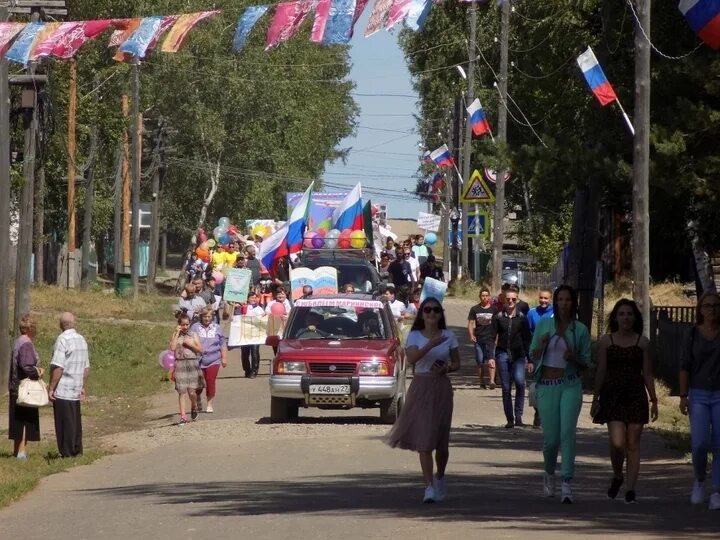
(424, 422)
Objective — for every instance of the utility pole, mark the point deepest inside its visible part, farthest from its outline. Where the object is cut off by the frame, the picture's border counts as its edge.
(124, 251)
(641, 165)
(499, 221)
(4, 215)
(467, 161)
(455, 210)
(118, 215)
(135, 168)
(71, 174)
(89, 196)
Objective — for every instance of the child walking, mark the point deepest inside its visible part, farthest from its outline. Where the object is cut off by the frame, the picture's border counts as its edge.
(188, 375)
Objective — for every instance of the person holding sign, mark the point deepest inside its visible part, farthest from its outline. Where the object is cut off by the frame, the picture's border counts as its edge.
(250, 354)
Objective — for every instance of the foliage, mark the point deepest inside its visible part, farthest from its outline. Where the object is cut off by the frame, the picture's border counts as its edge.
(545, 239)
(581, 139)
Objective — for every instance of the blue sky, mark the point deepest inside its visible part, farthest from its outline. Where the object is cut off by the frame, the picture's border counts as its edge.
(385, 155)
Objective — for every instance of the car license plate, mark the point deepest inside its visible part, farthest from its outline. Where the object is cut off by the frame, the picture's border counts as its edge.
(330, 389)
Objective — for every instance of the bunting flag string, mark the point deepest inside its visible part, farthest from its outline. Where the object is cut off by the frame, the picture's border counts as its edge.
(398, 11)
(8, 31)
(322, 13)
(378, 16)
(20, 51)
(339, 26)
(419, 10)
(245, 25)
(180, 31)
(286, 22)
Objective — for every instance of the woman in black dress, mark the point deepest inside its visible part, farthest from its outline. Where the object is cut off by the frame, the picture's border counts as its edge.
(24, 424)
(623, 381)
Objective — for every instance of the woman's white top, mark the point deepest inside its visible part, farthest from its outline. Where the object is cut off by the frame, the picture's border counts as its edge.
(441, 352)
(555, 352)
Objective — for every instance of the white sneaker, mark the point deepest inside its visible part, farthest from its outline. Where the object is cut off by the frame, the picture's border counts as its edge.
(429, 496)
(440, 489)
(715, 501)
(566, 495)
(549, 485)
(697, 496)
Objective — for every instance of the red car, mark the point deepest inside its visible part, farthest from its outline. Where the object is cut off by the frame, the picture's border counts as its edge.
(338, 352)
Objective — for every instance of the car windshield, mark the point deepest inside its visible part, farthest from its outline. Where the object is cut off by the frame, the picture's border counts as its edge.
(327, 322)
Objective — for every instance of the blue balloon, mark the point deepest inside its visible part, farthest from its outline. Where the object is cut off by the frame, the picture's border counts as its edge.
(224, 239)
(430, 239)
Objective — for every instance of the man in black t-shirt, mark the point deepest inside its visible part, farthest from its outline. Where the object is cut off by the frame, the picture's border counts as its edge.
(401, 275)
(482, 334)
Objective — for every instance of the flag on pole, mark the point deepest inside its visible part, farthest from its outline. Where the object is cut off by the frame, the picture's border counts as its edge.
(181, 29)
(349, 215)
(286, 22)
(478, 119)
(438, 182)
(288, 238)
(703, 16)
(245, 25)
(8, 31)
(21, 49)
(442, 157)
(596, 78)
(322, 12)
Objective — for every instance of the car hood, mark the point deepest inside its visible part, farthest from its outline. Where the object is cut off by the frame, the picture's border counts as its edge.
(332, 348)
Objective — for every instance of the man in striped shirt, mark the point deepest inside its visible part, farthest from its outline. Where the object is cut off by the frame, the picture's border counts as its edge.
(69, 369)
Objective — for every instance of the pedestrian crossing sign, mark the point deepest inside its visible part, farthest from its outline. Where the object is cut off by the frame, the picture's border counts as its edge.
(476, 190)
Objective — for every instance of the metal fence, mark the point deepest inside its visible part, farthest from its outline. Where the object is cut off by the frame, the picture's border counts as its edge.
(669, 326)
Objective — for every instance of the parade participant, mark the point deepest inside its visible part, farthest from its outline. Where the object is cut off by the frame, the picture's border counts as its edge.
(389, 249)
(431, 269)
(348, 288)
(401, 274)
(188, 375)
(23, 422)
(384, 268)
(218, 259)
(307, 291)
(250, 354)
(511, 355)
(207, 293)
(419, 249)
(214, 353)
(253, 264)
(542, 310)
(700, 395)
(232, 254)
(499, 303)
(396, 306)
(280, 297)
(424, 422)
(413, 307)
(190, 303)
(482, 334)
(69, 369)
(414, 264)
(561, 349)
(623, 381)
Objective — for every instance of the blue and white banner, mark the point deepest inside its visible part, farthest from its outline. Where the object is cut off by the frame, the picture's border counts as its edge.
(141, 39)
(247, 21)
(21, 49)
(339, 26)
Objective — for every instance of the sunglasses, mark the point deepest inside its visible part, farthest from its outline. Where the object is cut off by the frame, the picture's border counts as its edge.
(434, 309)
(511, 299)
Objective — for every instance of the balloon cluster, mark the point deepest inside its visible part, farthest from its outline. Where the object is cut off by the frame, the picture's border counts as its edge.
(223, 234)
(335, 239)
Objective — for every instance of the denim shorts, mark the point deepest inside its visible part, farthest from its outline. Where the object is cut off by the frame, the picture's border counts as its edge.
(483, 352)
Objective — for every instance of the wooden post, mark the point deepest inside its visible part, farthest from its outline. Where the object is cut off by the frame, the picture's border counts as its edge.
(4, 216)
(641, 165)
(499, 221)
(135, 173)
(163, 251)
(126, 190)
(71, 174)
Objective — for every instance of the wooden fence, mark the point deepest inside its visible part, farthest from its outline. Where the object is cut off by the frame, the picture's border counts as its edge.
(669, 326)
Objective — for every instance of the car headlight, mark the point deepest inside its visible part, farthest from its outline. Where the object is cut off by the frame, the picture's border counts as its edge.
(373, 368)
(288, 368)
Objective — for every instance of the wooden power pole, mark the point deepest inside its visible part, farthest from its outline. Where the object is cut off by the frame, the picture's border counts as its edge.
(499, 218)
(4, 216)
(71, 174)
(467, 161)
(124, 251)
(641, 165)
(136, 123)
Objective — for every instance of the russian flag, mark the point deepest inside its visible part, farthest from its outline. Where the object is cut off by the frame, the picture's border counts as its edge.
(349, 215)
(289, 238)
(596, 78)
(704, 18)
(438, 182)
(478, 119)
(442, 157)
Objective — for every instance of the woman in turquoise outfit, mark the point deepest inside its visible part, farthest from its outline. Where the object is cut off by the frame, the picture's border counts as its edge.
(561, 350)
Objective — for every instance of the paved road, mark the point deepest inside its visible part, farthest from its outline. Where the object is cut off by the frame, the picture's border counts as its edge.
(235, 475)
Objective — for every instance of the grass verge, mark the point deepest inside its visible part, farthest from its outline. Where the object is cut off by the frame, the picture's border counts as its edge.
(124, 371)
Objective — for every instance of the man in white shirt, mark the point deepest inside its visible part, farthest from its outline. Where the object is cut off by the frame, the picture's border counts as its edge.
(414, 265)
(69, 370)
(396, 306)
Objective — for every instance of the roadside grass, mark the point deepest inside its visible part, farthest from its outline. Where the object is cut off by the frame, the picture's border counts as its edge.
(671, 424)
(123, 373)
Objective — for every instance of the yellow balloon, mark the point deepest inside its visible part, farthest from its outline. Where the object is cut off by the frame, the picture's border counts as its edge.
(358, 240)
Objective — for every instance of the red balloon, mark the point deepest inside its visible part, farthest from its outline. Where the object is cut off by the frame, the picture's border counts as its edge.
(321, 232)
(344, 242)
(277, 309)
(346, 233)
(232, 229)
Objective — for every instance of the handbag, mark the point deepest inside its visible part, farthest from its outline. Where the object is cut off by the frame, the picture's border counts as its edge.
(33, 393)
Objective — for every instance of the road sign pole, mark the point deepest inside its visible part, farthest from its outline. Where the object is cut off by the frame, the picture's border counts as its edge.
(476, 245)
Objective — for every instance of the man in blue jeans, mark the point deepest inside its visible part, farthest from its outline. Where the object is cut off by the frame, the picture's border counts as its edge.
(511, 356)
(482, 334)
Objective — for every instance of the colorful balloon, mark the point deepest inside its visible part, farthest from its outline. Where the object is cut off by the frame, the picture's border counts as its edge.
(219, 277)
(430, 239)
(308, 240)
(344, 239)
(358, 240)
(211, 243)
(202, 235)
(277, 309)
(166, 359)
(318, 241)
(224, 222)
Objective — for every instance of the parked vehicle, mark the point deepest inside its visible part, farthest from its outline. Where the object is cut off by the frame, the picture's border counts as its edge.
(511, 272)
(352, 266)
(338, 352)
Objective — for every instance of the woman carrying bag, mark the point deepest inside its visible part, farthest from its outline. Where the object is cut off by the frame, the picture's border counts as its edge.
(24, 424)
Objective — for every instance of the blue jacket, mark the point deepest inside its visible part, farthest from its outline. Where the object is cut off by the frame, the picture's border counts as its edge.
(537, 313)
(578, 337)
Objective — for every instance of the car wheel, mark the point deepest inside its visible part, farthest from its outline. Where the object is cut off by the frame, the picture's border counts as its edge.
(279, 409)
(292, 409)
(390, 409)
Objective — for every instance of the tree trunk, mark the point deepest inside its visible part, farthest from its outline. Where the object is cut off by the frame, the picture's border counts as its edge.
(703, 265)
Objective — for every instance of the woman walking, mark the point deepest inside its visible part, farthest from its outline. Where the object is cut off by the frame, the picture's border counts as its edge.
(623, 381)
(24, 422)
(700, 395)
(561, 349)
(214, 352)
(424, 421)
(188, 376)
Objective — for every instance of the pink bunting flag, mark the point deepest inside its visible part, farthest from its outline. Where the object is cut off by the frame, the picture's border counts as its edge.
(164, 27)
(8, 31)
(322, 13)
(360, 6)
(69, 43)
(378, 16)
(44, 36)
(398, 11)
(286, 22)
(181, 29)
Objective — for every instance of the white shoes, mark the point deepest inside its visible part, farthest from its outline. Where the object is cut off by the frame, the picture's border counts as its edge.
(429, 496)
(715, 501)
(697, 496)
(548, 485)
(566, 496)
(440, 489)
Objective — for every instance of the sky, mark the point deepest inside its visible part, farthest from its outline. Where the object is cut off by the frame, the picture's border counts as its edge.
(385, 154)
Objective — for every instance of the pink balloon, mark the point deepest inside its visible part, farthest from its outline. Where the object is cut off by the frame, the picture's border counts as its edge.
(219, 277)
(308, 241)
(277, 309)
(346, 233)
(167, 359)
